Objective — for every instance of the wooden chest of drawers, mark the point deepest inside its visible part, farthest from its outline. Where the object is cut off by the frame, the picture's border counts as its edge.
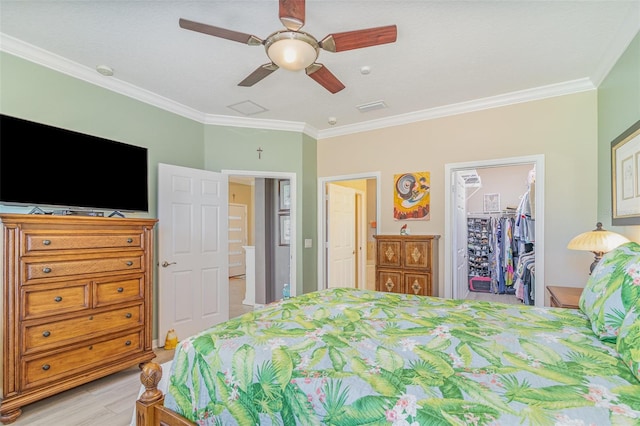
(77, 302)
(407, 263)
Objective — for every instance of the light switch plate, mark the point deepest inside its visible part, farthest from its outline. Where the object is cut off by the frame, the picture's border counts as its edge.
(308, 243)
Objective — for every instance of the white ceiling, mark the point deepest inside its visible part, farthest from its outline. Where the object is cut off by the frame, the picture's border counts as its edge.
(449, 57)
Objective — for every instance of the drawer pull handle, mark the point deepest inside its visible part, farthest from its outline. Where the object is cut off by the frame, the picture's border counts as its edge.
(129, 263)
(46, 367)
(46, 269)
(128, 343)
(58, 298)
(129, 240)
(120, 289)
(91, 318)
(91, 347)
(416, 287)
(128, 315)
(46, 333)
(46, 242)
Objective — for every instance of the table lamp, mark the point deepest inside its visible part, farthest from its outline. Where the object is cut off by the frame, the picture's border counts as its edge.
(598, 241)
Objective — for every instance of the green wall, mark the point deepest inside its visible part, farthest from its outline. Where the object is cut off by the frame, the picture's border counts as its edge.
(233, 148)
(309, 188)
(618, 109)
(40, 94)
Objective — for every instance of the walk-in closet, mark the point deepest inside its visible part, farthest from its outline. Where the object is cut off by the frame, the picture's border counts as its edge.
(500, 206)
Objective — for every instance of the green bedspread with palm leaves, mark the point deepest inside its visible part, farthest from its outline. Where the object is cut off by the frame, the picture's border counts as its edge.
(356, 357)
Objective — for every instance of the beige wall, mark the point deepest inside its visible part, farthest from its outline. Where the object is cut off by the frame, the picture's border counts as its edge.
(563, 129)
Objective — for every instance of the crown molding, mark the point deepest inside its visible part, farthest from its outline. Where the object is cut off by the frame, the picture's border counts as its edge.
(512, 98)
(47, 59)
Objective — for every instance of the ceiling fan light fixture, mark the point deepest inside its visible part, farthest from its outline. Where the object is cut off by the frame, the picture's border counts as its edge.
(292, 50)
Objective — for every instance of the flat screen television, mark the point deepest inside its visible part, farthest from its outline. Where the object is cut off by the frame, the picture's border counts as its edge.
(46, 166)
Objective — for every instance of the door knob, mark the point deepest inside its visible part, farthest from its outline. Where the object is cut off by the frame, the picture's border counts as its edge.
(165, 264)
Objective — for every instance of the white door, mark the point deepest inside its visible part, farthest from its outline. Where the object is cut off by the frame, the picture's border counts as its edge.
(237, 238)
(193, 277)
(341, 205)
(461, 288)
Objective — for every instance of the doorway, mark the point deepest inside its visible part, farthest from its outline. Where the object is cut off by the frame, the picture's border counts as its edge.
(348, 209)
(261, 293)
(456, 260)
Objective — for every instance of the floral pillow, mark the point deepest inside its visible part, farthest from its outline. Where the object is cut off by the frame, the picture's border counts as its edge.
(612, 290)
(628, 344)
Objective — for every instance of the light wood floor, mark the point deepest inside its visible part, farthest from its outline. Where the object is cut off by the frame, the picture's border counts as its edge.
(108, 401)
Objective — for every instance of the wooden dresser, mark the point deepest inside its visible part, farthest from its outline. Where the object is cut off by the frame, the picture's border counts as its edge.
(77, 302)
(407, 263)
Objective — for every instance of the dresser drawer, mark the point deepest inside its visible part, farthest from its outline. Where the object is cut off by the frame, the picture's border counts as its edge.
(118, 290)
(50, 368)
(419, 284)
(390, 281)
(38, 242)
(57, 333)
(389, 254)
(39, 270)
(54, 299)
(417, 254)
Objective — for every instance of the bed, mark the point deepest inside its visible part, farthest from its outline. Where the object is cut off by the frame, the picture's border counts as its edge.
(357, 357)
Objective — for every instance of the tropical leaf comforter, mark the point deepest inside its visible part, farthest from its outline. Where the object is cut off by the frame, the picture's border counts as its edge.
(356, 357)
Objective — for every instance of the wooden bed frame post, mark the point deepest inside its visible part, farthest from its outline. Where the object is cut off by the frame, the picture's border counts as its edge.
(145, 411)
(150, 410)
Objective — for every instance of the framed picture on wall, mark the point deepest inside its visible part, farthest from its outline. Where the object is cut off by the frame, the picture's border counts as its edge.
(491, 203)
(285, 195)
(285, 229)
(625, 177)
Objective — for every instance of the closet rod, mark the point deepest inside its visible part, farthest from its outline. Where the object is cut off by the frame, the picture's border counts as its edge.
(505, 213)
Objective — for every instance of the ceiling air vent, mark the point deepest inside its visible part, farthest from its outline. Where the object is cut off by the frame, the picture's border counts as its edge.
(471, 178)
(371, 106)
(247, 108)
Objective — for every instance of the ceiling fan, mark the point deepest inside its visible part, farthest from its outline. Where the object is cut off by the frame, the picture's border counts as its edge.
(295, 50)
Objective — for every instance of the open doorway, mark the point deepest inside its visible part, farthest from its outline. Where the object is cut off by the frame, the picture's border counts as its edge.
(266, 271)
(457, 256)
(348, 211)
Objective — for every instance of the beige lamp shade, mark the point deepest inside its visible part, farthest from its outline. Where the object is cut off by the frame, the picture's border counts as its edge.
(598, 241)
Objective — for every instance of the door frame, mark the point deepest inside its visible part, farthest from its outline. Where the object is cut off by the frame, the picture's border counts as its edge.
(293, 252)
(460, 291)
(322, 216)
(449, 211)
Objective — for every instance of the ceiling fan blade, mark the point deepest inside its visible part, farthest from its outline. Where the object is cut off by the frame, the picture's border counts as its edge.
(220, 32)
(324, 77)
(292, 14)
(261, 72)
(358, 39)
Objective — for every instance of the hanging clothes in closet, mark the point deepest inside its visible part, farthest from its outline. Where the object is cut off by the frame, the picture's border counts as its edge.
(524, 235)
(492, 253)
(504, 252)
